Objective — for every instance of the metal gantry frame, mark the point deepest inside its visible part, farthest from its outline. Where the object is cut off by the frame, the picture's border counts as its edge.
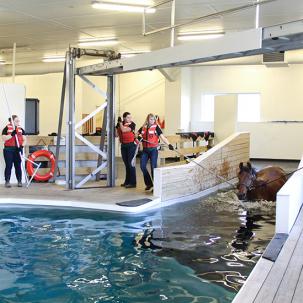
(106, 154)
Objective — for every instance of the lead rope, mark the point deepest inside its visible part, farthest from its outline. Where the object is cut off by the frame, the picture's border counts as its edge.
(207, 169)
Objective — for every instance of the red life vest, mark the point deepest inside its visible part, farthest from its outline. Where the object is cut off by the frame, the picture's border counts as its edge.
(126, 137)
(12, 141)
(149, 134)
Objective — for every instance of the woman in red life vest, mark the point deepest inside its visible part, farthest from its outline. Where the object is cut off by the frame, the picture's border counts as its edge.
(14, 140)
(149, 135)
(125, 130)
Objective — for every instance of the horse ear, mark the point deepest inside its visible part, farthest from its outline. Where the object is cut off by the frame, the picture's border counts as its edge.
(241, 166)
(249, 165)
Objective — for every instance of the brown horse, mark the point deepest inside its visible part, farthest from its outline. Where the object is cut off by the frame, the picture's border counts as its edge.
(260, 185)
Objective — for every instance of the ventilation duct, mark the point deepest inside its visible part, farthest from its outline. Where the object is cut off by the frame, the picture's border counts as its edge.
(274, 59)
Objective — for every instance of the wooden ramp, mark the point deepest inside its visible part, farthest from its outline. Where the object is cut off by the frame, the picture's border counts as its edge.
(204, 172)
(280, 281)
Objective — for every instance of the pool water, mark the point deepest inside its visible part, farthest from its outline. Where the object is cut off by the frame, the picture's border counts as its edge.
(188, 252)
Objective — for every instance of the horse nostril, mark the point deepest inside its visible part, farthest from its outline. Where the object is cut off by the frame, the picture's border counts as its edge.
(241, 196)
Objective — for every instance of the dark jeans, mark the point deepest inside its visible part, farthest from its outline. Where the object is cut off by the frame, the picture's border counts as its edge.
(11, 156)
(152, 155)
(128, 152)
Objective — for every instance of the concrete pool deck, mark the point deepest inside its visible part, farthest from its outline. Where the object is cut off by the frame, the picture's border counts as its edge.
(47, 194)
(103, 198)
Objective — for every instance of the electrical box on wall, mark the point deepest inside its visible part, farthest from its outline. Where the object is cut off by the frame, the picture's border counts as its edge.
(32, 116)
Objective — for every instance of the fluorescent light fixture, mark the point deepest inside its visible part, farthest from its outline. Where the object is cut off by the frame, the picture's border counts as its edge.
(124, 6)
(128, 2)
(2, 62)
(98, 42)
(132, 53)
(199, 36)
(54, 59)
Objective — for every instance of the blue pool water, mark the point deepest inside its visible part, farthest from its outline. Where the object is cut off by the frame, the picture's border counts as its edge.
(184, 253)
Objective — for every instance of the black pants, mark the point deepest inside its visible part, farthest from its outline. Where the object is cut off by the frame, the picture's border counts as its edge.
(11, 156)
(128, 152)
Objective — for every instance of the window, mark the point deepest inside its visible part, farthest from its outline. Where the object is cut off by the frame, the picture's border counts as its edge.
(249, 107)
(207, 107)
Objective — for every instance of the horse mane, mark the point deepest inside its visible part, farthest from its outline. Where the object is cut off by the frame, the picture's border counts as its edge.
(251, 170)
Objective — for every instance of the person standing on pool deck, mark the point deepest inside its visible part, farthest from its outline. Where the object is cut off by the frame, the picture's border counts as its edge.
(12, 149)
(149, 135)
(125, 130)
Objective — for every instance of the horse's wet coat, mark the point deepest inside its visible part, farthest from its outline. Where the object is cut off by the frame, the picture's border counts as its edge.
(261, 185)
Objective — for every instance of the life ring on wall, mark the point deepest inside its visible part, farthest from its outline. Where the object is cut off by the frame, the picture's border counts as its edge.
(31, 169)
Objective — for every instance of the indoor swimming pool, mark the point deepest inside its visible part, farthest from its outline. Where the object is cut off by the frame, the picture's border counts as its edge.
(185, 253)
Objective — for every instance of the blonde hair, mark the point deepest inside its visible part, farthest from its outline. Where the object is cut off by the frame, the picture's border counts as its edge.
(148, 117)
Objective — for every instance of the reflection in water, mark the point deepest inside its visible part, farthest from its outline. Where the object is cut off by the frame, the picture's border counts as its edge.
(185, 253)
(220, 246)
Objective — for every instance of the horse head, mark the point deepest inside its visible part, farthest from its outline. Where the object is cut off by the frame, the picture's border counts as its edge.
(246, 176)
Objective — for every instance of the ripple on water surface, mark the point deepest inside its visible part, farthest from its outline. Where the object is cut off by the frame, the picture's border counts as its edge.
(193, 252)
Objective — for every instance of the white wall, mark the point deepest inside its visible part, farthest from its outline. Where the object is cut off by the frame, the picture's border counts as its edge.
(225, 116)
(47, 88)
(281, 88)
(139, 93)
(281, 92)
(186, 92)
(15, 95)
(271, 140)
(173, 105)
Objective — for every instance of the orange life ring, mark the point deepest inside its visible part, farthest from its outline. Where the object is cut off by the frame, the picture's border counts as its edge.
(31, 169)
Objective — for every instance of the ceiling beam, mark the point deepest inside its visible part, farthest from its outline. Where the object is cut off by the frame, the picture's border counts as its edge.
(232, 45)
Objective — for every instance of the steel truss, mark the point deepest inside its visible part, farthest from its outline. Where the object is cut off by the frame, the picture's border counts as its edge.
(106, 155)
